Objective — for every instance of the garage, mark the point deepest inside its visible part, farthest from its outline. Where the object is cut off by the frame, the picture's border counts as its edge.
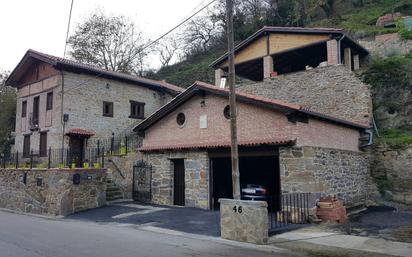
(257, 167)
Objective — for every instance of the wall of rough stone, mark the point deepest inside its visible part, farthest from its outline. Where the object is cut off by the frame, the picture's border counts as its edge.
(387, 45)
(332, 90)
(56, 195)
(84, 104)
(196, 177)
(326, 171)
(391, 169)
(120, 171)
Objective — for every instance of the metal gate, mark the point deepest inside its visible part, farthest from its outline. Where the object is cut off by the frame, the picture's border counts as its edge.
(288, 211)
(142, 182)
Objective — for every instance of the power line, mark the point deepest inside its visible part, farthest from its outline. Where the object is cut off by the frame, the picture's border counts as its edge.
(68, 29)
(151, 43)
(175, 27)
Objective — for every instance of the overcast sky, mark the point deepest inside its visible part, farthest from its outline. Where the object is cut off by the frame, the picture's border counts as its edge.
(41, 24)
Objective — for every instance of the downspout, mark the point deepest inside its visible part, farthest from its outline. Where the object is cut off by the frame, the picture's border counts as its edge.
(62, 111)
(339, 48)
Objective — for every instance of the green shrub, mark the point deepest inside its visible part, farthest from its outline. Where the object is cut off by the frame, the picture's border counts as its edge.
(404, 31)
(396, 137)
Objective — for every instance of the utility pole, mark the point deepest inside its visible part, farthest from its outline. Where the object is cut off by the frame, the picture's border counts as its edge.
(232, 100)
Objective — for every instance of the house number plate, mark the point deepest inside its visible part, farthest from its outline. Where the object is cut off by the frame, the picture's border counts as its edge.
(237, 209)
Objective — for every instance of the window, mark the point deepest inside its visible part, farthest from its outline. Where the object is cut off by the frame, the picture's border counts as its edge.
(43, 144)
(49, 105)
(136, 110)
(226, 112)
(26, 146)
(181, 119)
(24, 109)
(36, 103)
(108, 109)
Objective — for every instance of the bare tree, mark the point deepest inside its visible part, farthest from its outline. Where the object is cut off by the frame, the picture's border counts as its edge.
(110, 42)
(199, 34)
(168, 49)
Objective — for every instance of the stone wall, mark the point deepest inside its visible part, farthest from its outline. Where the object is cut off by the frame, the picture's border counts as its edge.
(120, 171)
(325, 171)
(391, 168)
(331, 90)
(196, 177)
(387, 45)
(56, 194)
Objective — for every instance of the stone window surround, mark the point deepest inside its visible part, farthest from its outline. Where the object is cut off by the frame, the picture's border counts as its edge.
(108, 109)
(136, 110)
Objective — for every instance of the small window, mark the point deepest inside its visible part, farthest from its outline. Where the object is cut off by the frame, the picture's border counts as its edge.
(181, 119)
(43, 144)
(108, 109)
(26, 146)
(136, 110)
(24, 109)
(49, 105)
(226, 112)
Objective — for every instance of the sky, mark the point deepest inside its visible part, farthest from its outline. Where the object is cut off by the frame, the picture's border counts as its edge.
(42, 24)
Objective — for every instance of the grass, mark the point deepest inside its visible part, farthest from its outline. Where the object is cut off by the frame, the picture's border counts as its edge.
(396, 137)
(360, 22)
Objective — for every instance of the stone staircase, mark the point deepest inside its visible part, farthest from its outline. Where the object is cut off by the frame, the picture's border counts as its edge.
(113, 192)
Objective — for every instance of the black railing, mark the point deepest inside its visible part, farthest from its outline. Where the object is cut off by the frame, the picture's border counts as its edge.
(288, 210)
(92, 156)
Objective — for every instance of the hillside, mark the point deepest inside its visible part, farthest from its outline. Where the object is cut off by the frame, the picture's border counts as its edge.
(359, 22)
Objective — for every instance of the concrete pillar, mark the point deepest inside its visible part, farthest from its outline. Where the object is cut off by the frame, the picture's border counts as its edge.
(219, 73)
(347, 53)
(356, 62)
(332, 50)
(267, 66)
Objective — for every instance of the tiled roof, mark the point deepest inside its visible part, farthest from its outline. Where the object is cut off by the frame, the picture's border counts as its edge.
(63, 63)
(260, 142)
(257, 100)
(80, 132)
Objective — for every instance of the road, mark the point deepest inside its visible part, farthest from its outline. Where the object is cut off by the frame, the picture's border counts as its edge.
(29, 236)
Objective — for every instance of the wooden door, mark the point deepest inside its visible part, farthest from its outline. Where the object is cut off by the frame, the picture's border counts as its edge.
(179, 182)
(76, 151)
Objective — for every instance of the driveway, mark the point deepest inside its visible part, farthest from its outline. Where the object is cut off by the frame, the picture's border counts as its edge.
(183, 219)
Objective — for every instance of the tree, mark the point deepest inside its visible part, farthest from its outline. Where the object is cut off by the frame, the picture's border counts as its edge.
(7, 114)
(168, 49)
(200, 33)
(109, 42)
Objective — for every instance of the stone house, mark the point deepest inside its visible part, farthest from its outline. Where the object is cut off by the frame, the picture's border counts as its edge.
(283, 146)
(62, 103)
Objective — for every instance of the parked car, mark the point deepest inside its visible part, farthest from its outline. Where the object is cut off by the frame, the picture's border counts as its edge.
(255, 192)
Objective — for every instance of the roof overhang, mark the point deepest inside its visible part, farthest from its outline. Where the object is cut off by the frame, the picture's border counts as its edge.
(333, 33)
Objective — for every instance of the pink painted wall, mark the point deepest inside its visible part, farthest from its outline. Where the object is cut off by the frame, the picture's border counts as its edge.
(254, 123)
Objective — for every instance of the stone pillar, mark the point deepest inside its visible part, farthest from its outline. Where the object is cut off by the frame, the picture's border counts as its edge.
(267, 66)
(332, 49)
(245, 221)
(219, 73)
(348, 58)
(356, 62)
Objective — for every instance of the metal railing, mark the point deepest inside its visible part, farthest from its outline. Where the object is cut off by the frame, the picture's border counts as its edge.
(92, 156)
(288, 210)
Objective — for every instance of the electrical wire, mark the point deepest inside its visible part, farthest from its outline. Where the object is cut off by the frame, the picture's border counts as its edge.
(68, 29)
(155, 41)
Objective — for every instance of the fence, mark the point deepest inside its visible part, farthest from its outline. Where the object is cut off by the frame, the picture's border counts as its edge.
(92, 156)
(288, 210)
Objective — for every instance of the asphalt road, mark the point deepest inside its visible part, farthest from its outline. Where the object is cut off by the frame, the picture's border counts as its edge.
(29, 236)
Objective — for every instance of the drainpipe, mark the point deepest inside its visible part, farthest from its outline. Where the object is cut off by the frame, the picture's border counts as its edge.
(339, 48)
(62, 111)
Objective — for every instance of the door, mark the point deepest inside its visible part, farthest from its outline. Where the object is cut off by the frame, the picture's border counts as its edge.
(179, 182)
(76, 151)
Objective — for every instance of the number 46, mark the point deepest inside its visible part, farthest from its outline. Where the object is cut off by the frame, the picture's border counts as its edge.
(237, 209)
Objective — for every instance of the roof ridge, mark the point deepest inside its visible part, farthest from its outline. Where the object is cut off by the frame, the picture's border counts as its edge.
(95, 68)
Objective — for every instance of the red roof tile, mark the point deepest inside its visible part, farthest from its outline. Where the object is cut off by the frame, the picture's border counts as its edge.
(80, 132)
(269, 141)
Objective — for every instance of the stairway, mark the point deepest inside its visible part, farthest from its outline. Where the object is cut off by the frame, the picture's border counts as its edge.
(113, 192)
